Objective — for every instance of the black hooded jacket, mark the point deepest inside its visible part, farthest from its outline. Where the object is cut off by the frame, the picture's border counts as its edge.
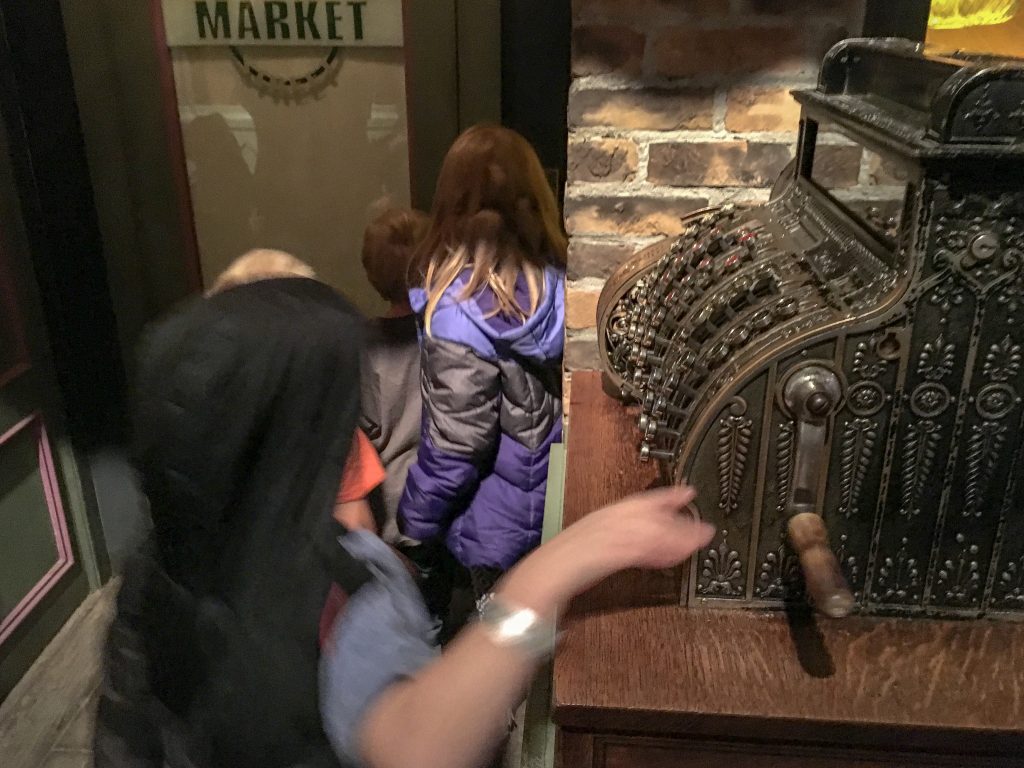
(246, 406)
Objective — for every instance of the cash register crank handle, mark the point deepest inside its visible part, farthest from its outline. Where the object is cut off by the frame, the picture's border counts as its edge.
(812, 394)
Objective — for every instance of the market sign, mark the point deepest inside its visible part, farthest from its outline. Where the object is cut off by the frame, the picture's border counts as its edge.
(368, 23)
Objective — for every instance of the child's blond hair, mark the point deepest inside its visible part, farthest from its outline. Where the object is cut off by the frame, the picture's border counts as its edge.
(261, 264)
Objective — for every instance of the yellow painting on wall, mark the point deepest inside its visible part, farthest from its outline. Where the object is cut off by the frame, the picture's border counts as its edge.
(979, 26)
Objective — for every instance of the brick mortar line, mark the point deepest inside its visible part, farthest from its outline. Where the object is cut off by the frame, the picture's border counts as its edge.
(683, 135)
(643, 161)
(590, 190)
(585, 284)
(620, 239)
(797, 78)
(864, 171)
(875, 192)
(719, 109)
(699, 136)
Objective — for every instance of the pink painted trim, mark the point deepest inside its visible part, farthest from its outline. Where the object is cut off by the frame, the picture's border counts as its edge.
(58, 522)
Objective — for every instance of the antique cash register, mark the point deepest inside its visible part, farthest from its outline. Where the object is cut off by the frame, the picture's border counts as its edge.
(840, 373)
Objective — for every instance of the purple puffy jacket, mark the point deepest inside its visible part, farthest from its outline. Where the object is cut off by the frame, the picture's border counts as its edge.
(492, 407)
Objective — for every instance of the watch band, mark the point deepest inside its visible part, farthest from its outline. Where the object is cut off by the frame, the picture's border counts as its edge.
(512, 626)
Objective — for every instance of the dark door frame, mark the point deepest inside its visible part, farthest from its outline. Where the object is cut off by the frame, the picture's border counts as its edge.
(37, 97)
(118, 75)
(66, 378)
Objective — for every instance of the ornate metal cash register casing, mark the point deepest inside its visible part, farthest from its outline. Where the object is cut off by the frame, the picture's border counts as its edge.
(854, 348)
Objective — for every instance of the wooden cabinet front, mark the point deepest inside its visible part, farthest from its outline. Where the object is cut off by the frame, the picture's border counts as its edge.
(582, 750)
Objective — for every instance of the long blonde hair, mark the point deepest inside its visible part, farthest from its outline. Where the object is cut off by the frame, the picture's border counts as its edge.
(495, 214)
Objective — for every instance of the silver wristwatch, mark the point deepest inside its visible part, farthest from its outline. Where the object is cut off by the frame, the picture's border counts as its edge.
(512, 626)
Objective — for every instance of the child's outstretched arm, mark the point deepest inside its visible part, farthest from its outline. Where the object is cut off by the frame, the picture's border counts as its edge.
(453, 713)
(461, 401)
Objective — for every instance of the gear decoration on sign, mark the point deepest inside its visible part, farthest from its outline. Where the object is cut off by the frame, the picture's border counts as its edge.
(293, 87)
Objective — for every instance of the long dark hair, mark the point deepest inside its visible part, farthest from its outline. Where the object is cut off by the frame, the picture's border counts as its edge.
(246, 406)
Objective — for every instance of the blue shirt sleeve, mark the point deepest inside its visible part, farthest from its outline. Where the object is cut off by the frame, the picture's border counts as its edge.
(384, 635)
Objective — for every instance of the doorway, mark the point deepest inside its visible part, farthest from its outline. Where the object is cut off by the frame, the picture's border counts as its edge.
(299, 123)
(60, 371)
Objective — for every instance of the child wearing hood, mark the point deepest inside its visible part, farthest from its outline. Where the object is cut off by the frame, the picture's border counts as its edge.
(490, 303)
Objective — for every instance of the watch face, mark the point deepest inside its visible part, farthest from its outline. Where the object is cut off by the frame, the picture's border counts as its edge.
(519, 628)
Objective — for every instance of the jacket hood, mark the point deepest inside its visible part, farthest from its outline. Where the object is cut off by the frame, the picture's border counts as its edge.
(472, 321)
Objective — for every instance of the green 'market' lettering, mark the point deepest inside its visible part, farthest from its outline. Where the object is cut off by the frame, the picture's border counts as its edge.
(357, 18)
(216, 25)
(332, 21)
(277, 12)
(247, 22)
(306, 20)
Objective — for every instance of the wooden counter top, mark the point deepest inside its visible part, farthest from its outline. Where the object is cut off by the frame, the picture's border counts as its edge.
(647, 667)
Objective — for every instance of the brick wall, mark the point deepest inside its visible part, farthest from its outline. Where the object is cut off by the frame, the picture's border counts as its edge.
(677, 104)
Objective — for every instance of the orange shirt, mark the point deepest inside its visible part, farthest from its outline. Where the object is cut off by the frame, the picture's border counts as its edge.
(363, 470)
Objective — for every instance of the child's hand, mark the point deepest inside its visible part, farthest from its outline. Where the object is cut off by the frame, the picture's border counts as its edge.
(355, 516)
(649, 530)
